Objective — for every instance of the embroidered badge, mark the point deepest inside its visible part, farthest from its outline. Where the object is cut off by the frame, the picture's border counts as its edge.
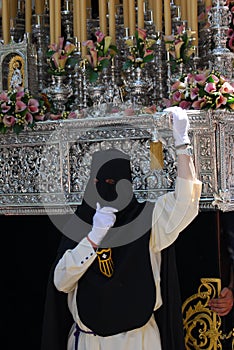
(105, 261)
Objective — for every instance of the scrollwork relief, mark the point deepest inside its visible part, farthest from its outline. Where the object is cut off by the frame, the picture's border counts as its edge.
(203, 327)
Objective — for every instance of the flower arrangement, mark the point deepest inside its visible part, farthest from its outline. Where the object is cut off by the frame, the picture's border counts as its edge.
(18, 108)
(180, 46)
(100, 54)
(59, 56)
(141, 50)
(204, 89)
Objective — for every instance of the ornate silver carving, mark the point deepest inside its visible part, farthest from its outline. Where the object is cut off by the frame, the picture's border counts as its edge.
(46, 169)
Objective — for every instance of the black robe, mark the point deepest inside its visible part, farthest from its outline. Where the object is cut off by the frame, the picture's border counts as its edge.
(58, 320)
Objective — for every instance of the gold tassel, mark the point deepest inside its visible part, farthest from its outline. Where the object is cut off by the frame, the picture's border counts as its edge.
(156, 155)
(105, 262)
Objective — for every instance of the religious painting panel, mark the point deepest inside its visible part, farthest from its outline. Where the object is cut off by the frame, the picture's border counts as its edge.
(13, 66)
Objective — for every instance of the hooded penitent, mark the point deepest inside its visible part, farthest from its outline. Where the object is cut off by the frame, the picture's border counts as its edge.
(124, 299)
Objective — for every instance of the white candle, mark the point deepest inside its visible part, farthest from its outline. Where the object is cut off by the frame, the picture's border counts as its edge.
(126, 13)
(167, 17)
(157, 9)
(52, 22)
(28, 16)
(183, 7)
(39, 7)
(102, 16)
(112, 25)
(5, 22)
(83, 29)
(140, 14)
(132, 18)
(57, 16)
(189, 14)
(194, 20)
(76, 20)
(13, 9)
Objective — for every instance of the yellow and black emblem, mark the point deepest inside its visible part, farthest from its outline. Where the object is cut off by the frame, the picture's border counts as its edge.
(105, 261)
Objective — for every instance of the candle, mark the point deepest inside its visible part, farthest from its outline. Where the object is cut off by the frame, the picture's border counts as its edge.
(183, 6)
(83, 29)
(5, 22)
(57, 13)
(132, 18)
(28, 16)
(125, 13)
(13, 9)
(189, 14)
(150, 4)
(102, 16)
(194, 20)
(52, 22)
(112, 20)
(157, 9)
(167, 17)
(76, 20)
(140, 14)
(39, 7)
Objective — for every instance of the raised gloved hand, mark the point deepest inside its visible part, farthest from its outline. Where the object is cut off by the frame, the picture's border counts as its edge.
(103, 219)
(180, 125)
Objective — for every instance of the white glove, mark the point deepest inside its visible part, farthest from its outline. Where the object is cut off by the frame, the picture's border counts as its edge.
(103, 219)
(180, 125)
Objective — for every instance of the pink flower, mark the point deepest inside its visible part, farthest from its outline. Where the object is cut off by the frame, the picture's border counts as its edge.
(57, 46)
(148, 52)
(4, 97)
(89, 44)
(200, 103)
(200, 78)
(8, 120)
(215, 78)
(99, 35)
(185, 104)
(69, 48)
(220, 100)
(59, 60)
(180, 29)
(5, 108)
(178, 85)
(178, 45)
(210, 87)
(231, 43)
(92, 58)
(33, 105)
(19, 94)
(194, 92)
(28, 118)
(20, 106)
(177, 96)
(226, 88)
